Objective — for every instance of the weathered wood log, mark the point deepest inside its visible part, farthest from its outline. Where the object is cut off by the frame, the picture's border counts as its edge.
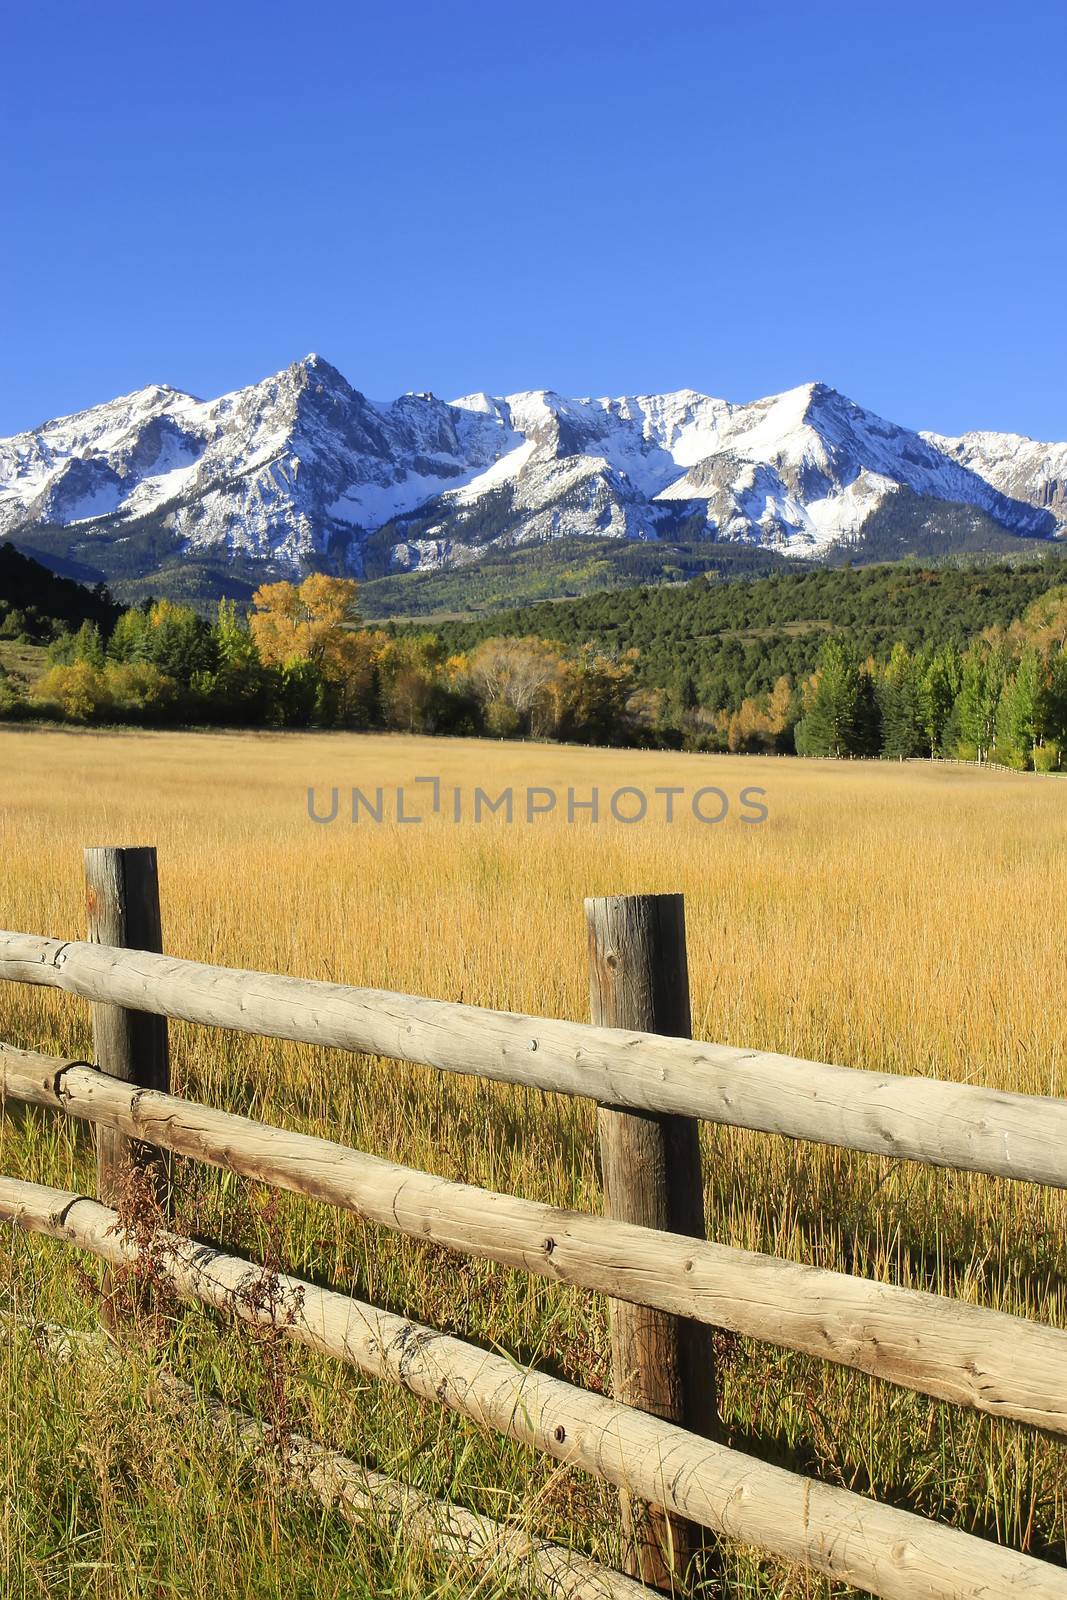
(921, 1119)
(650, 1166)
(985, 1359)
(890, 1553)
(359, 1494)
(122, 906)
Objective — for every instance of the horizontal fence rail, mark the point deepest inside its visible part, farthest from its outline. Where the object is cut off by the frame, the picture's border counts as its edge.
(942, 1123)
(893, 1554)
(667, 1287)
(988, 1360)
(361, 1495)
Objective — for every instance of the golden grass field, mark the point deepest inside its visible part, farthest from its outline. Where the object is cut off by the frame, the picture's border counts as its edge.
(900, 917)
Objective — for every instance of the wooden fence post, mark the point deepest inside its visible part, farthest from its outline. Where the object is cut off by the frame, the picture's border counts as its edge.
(122, 901)
(639, 978)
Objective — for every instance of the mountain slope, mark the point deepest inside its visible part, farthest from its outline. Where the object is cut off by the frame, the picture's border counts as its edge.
(35, 604)
(303, 471)
(1022, 468)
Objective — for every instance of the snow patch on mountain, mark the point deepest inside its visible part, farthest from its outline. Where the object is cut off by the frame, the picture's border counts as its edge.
(1018, 466)
(303, 470)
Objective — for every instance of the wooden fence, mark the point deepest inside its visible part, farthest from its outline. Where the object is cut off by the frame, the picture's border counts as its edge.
(668, 1286)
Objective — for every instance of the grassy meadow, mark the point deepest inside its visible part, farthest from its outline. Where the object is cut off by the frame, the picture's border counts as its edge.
(25, 662)
(908, 918)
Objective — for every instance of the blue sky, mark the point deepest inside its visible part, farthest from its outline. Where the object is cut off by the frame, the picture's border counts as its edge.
(596, 198)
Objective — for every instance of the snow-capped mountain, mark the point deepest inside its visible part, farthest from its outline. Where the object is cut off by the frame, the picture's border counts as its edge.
(1019, 467)
(303, 471)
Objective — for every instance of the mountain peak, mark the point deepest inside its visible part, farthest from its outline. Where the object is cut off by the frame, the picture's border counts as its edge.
(303, 472)
(811, 396)
(317, 367)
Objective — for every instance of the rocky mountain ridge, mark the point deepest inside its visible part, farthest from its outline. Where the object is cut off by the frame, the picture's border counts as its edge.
(302, 471)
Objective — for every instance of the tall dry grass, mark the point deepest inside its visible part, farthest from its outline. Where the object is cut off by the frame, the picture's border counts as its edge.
(906, 918)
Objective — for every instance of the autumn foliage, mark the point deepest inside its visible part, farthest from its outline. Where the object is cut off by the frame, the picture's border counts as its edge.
(303, 659)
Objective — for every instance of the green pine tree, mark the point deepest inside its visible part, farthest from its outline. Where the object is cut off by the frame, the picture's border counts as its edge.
(1017, 711)
(939, 685)
(88, 645)
(981, 680)
(829, 726)
(903, 734)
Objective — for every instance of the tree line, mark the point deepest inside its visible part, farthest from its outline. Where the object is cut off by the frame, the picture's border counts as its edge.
(302, 658)
(1002, 698)
(719, 643)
